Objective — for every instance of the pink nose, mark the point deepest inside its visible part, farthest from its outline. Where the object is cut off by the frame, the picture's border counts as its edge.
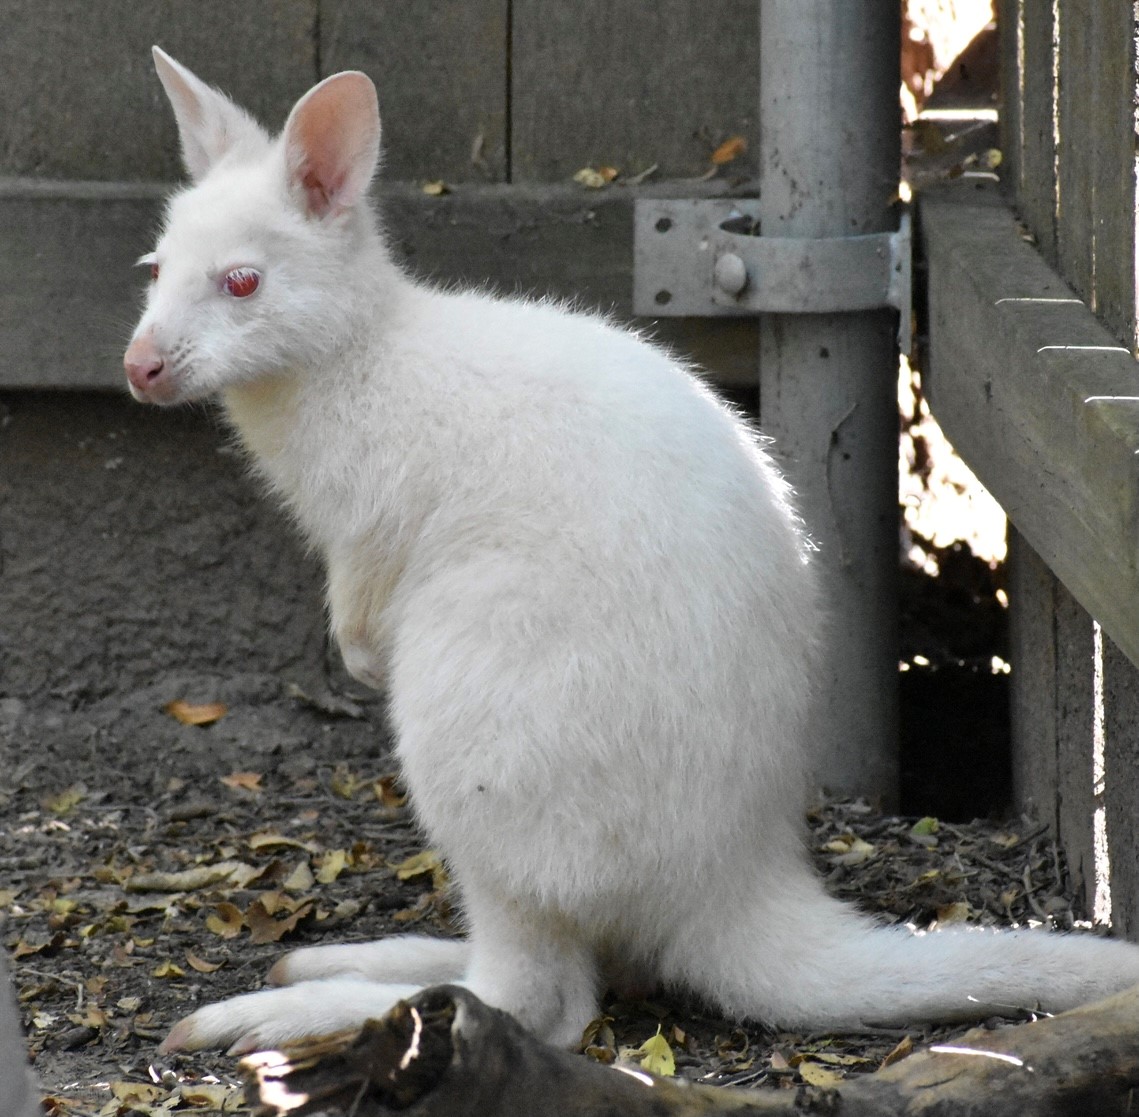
(144, 364)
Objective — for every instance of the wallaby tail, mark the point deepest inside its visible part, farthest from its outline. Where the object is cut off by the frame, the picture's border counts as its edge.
(824, 965)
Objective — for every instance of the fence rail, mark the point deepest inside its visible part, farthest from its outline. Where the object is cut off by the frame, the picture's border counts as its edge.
(1036, 383)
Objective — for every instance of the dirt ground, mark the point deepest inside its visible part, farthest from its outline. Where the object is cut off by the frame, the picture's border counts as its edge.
(276, 825)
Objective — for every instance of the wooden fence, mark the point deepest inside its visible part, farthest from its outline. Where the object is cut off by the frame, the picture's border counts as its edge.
(1032, 332)
(503, 100)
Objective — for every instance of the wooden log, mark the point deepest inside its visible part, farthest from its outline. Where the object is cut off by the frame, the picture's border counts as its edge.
(446, 1053)
(18, 1093)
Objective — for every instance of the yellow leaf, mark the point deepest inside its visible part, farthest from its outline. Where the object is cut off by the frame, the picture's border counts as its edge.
(208, 1095)
(815, 1074)
(331, 864)
(343, 782)
(245, 781)
(656, 1057)
(388, 791)
(226, 921)
(857, 852)
(136, 1091)
(90, 1017)
(594, 178)
(731, 148)
(300, 879)
(235, 873)
(65, 800)
(953, 913)
(272, 840)
(200, 964)
(1004, 840)
(167, 969)
(436, 189)
(426, 861)
(189, 713)
(905, 1047)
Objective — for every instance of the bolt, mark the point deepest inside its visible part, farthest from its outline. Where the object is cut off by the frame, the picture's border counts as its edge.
(730, 274)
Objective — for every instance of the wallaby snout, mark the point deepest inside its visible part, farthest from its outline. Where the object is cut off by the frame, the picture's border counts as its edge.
(147, 372)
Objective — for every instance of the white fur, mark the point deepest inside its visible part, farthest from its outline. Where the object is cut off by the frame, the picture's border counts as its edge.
(583, 583)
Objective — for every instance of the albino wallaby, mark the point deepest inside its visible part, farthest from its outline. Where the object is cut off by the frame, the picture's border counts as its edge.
(585, 588)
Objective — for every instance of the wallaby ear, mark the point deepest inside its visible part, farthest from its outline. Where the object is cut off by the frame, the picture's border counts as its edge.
(209, 123)
(332, 142)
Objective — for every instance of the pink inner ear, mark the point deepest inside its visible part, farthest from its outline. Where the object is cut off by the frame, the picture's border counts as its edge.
(319, 195)
(334, 135)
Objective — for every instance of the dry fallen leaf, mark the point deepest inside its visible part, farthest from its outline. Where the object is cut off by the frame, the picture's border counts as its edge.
(343, 782)
(595, 177)
(388, 791)
(245, 781)
(331, 864)
(904, 1047)
(857, 852)
(235, 873)
(65, 800)
(300, 879)
(226, 921)
(189, 713)
(815, 1074)
(655, 1056)
(957, 912)
(214, 1097)
(167, 969)
(263, 927)
(272, 840)
(418, 864)
(731, 148)
(200, 964)
(436, 189)
(136, 1091)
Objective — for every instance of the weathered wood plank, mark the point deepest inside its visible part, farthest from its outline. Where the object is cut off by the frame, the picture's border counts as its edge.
(1074, 706)
(1036, 188)
(1052, 708)
(1008, 30)
(1112, 29)
(1121, 786)
(73, 246)
(1077, 122)
(1032, 646)
(1020, 393)
(81, 100)
(441, 71)
(631, 86)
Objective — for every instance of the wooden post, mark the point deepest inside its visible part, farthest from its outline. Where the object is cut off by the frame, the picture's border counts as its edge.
(829, 159)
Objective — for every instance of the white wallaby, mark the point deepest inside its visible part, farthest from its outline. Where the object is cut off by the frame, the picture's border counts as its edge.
(585, 588)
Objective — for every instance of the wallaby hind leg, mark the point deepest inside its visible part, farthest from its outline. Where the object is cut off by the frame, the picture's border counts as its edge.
(535, 966)
(402, 959)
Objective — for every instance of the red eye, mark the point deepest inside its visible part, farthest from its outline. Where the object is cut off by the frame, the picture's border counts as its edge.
(241, 282)
(153, 272)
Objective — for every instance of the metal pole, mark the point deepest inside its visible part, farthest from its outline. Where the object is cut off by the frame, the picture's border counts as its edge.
(829, 160)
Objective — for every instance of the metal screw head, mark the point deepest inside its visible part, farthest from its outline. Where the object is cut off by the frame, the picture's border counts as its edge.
(730, 273)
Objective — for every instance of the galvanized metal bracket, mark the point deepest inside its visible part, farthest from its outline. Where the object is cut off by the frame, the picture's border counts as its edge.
(703, 258)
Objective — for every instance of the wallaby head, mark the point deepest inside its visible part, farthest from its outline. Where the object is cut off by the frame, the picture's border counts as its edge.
(263, 256)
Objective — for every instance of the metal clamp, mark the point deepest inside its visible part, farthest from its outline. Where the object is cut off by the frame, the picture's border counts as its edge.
(702, 258)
